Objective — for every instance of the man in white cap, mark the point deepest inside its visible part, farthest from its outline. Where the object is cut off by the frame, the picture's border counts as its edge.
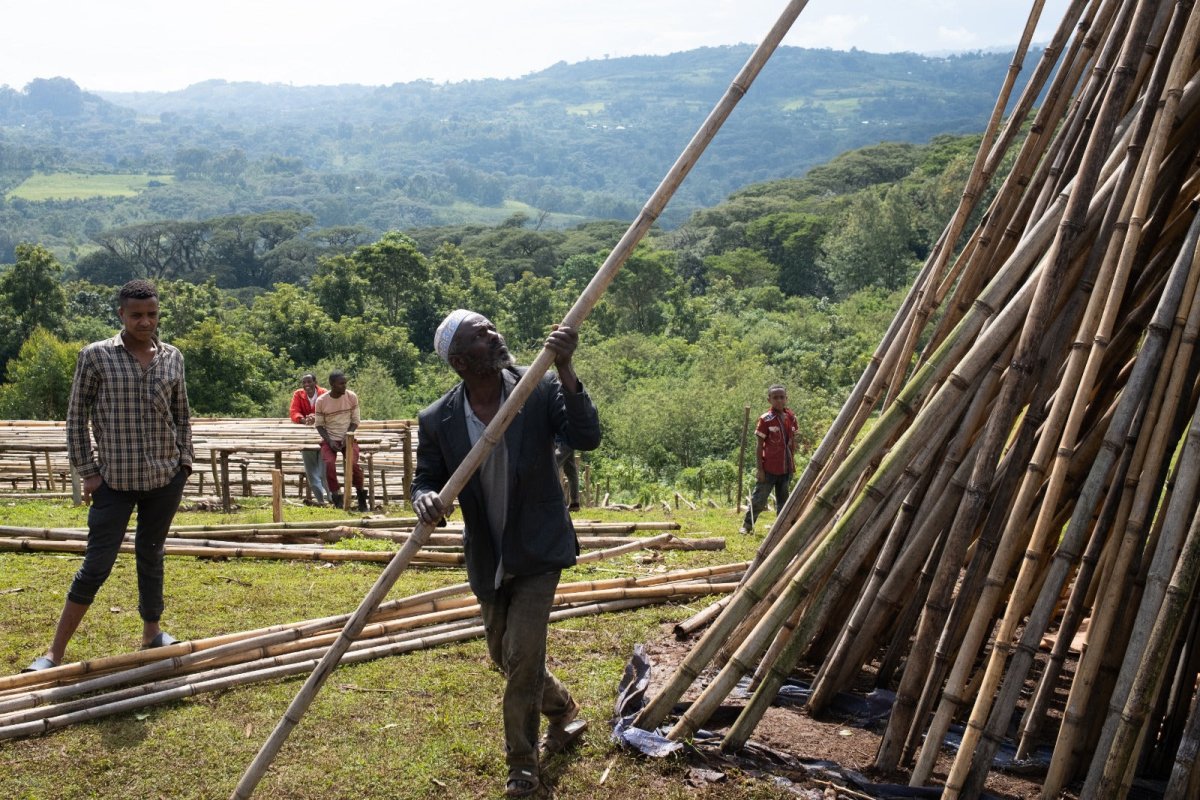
(519, 535)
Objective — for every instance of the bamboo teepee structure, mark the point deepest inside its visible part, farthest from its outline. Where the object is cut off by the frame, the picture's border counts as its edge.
(1021, 453)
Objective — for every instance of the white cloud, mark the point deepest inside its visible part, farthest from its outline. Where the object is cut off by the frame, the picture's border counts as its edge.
(956, 37)
(838, 31)
(149, 44)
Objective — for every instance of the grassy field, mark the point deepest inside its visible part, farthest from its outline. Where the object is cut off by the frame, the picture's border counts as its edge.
(425, 724)
(81, 185)
(461, 213)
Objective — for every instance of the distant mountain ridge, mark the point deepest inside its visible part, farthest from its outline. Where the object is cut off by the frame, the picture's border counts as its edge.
(576, 141)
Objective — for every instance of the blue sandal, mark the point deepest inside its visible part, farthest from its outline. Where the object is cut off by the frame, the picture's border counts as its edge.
(162, 639)
(40, 663)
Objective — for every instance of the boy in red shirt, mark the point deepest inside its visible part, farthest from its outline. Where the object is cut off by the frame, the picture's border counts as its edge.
(775, 454)
(303, 412)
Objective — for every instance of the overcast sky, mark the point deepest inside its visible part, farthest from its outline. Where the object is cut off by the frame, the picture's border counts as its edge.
(169, 44)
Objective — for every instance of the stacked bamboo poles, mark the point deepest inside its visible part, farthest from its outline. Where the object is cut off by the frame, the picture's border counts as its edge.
(38, 702)
(1041, 418)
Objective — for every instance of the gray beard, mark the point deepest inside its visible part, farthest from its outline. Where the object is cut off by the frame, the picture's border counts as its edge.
(492, 365)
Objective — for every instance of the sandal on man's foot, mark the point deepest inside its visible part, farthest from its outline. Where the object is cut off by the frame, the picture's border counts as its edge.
(521, 783)
(40, 663)
(563, 731)
(161, 639)
(558, 739)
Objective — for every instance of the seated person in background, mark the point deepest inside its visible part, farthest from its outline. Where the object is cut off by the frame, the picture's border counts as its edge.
(337, 414)
(303, 412)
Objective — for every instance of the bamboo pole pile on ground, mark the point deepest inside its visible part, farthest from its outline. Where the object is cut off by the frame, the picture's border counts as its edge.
(315, 541)
(33, 703)
(1020, 455)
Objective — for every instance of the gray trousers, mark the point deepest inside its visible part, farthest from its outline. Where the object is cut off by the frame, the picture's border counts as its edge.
(315, 471)
(515, 622)
(772, 483)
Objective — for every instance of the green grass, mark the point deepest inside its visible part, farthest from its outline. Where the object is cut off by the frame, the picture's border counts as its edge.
(425, 724)
(82, 185)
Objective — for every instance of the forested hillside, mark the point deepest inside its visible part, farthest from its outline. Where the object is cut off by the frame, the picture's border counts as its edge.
(570, 143)
(788, 281)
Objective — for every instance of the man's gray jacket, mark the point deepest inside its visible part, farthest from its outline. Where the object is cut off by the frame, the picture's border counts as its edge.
(538, 535)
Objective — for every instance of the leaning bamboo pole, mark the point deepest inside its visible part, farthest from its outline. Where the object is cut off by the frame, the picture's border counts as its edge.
(1114, 779)
(961, 350)
(1115, 285)
(983, 732)
(574, 318)
(978, 178)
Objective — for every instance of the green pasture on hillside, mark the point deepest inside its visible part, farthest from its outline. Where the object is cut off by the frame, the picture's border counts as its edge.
(83, 185)
(462, 213)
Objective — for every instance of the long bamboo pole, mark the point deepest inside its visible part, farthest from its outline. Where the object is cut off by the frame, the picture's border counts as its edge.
(983, 730)
(1166, 626)
(574, 318)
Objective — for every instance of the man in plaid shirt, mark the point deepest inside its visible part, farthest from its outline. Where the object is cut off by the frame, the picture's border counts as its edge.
(131, 388)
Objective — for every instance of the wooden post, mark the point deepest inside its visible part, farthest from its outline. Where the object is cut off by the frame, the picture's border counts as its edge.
(49, 473)
(383, 486)
(589, 490)
(406, 484)
(742, 456)
(245, 478)
(213, 457)
(279, 460)
(200, 480)
(370, 478)
(33, 471)
(347, 470)
(76, 488)
(277, 495)
(226, 502)
(303, 490)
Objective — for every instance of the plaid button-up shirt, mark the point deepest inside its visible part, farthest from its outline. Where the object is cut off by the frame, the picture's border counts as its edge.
(139, 417)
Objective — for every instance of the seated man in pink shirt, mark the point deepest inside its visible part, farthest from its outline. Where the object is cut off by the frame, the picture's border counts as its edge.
(336, 414)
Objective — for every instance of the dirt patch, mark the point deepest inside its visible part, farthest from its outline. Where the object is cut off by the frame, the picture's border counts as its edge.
(793, 732)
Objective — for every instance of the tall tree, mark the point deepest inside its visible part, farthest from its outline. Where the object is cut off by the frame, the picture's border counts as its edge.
(340, 287)
(399, 277)
(39, 378)
(33, 290)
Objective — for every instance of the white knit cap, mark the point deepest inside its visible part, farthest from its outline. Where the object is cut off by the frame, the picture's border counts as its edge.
(446, 330)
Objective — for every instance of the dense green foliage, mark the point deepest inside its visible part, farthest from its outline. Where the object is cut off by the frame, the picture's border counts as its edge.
(791, 281)
(569, 143)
